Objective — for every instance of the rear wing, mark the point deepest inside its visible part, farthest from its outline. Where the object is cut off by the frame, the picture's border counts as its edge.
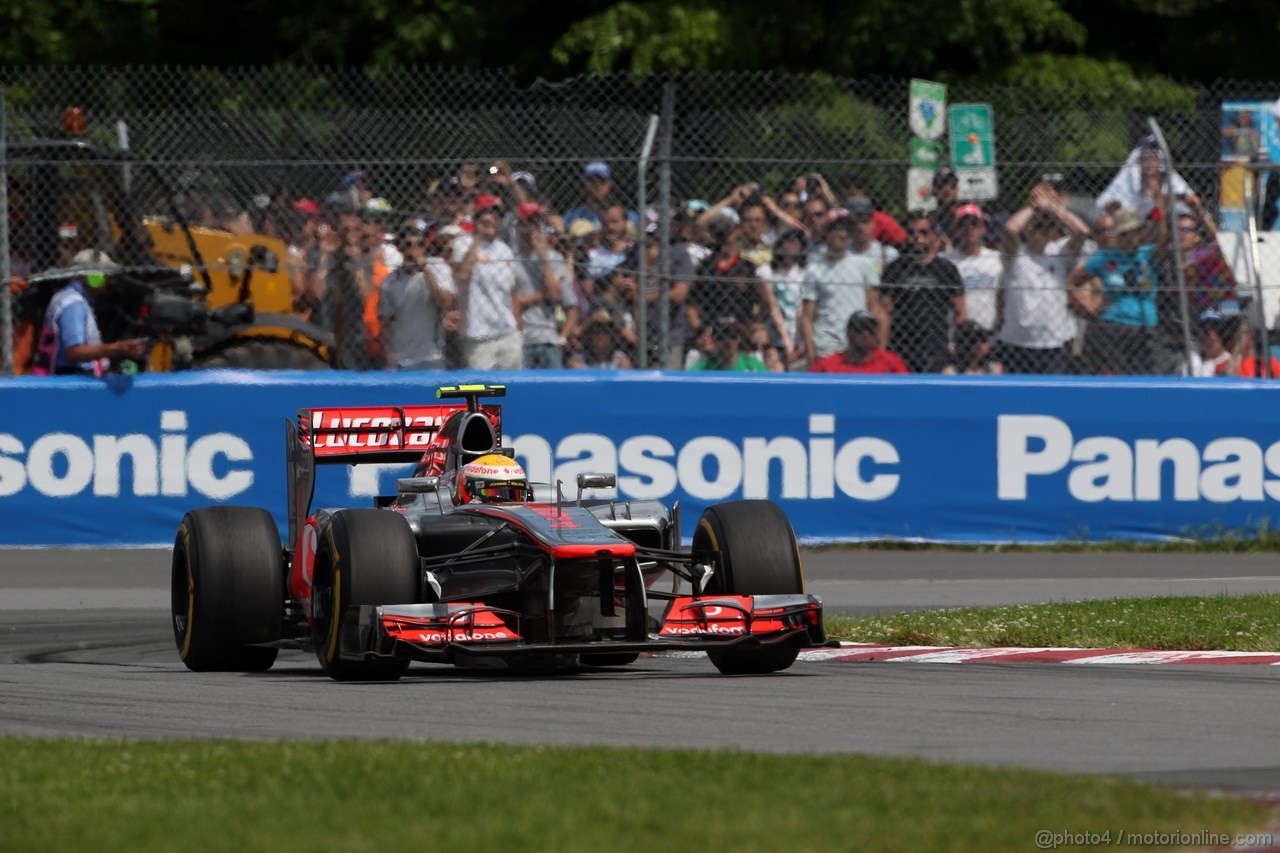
(357, 435)
(361, 434)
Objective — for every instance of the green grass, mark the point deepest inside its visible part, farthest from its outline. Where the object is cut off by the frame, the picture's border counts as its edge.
(345, 795)
(1262, 538)
(1240, 623)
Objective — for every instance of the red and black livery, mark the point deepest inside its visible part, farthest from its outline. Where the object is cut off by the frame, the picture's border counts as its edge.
(545, 583)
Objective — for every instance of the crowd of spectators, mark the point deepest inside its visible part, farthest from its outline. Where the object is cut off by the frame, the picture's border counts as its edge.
(486, 273)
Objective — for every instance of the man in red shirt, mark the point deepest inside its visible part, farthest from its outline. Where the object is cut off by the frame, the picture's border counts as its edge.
(861, 355)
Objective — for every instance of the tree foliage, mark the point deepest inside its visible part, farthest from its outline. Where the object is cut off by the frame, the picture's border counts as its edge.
(942, 39)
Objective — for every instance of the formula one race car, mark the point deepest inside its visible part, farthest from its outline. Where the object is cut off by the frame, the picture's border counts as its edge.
(462, 565)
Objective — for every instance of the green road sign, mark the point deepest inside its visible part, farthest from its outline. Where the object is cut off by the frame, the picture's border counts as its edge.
(973, 150)
(973, 140)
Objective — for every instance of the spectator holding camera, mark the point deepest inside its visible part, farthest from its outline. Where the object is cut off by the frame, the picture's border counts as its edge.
(411, 306)
(484, 275)
(544, 292)
(1036, 324)
(725, 285)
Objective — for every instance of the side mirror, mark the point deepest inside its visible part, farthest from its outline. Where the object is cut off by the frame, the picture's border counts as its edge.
(595, 481)
(417, 485)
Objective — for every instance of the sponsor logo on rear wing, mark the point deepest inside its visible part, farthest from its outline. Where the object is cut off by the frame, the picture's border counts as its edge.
(384, 432)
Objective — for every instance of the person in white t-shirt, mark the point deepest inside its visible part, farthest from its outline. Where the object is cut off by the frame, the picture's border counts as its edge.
(484, 275)
(862, 242)
(836, 283)
(1036, 323)
(979, 267)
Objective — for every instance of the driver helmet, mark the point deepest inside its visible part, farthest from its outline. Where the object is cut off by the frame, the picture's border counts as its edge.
(492, 478)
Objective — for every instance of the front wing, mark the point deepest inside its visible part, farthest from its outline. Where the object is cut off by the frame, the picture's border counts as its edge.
(449, 631)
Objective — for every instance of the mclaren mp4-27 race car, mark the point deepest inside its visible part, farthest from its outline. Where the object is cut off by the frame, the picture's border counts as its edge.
(465, 564)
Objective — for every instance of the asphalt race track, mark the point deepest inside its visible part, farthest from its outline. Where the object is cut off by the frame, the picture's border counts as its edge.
(86, 649)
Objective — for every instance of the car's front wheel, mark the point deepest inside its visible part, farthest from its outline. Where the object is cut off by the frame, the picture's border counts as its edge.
(754, 550)
(369, 556)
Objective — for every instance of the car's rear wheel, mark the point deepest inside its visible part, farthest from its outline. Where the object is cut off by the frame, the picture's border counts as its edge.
(754, 550)
(227, 589)
(369, 556)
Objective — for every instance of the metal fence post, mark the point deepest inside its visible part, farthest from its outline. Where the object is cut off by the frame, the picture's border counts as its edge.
(1172, 218)
(6, 307)
(1254, 267)
(667, 124)
(642, 273)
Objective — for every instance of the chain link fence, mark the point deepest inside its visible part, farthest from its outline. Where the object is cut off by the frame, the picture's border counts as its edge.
(409, 218)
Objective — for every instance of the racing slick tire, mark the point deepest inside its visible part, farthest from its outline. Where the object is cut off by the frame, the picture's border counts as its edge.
(369, 556)
(754, 550)
(227, 589)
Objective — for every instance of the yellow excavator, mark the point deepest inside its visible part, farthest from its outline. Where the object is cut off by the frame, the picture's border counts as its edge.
(203, 297)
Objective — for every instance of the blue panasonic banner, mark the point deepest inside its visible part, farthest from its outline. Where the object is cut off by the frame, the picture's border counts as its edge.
(86, 462)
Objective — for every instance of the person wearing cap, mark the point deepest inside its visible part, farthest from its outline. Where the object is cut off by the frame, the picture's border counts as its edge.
(973, 354)
(600, 349)
(484, 276)
(544, 292)
(1036, 324)
(597, 185)
(411, 305)
(884, 228)
(836, 284)
(70, 343)
(921, 295)
(979, 266)
(1214, 331)
(1123, 282)
(862, 352)
(728, 355)
(862, 239)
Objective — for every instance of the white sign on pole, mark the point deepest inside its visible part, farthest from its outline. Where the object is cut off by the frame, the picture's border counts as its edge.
(928, 109)
(920, 189)
(927, 116)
